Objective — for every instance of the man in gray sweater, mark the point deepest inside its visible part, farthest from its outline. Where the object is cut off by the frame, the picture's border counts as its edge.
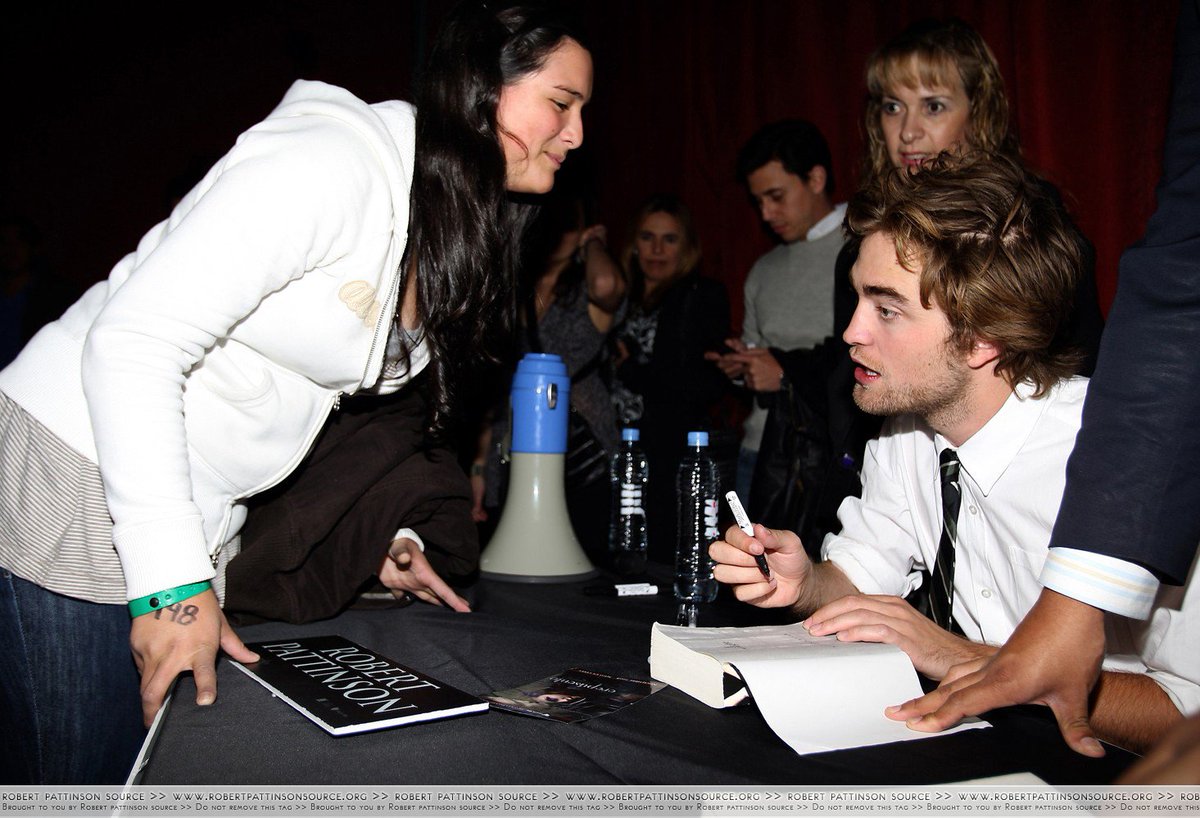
(789, 293)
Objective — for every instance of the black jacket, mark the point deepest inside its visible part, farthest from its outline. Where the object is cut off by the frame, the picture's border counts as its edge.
(310, 544)
(1133, 480)
(679, 391)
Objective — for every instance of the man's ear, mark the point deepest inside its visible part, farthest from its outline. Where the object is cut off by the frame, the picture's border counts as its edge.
(982, 353)
(817, 177)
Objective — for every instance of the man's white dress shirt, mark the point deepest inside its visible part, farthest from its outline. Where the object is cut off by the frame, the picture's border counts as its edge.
(1012, 478)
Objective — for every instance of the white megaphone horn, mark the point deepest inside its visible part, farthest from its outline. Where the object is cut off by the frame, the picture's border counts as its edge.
(534, 541)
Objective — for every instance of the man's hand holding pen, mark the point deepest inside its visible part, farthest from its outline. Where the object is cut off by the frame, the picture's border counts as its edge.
(737, 567)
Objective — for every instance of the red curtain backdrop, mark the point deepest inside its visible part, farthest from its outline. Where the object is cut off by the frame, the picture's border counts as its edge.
(681, 85)
(109, 103)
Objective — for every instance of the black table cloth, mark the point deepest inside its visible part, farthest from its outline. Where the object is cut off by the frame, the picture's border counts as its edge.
(518, 633)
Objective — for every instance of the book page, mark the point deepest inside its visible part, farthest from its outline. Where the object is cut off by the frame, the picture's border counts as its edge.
(815, 692)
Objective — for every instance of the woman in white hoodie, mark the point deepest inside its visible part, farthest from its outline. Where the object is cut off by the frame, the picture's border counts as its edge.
(339, 248)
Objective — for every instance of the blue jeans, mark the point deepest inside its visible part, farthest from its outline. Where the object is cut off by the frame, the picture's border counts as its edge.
(745, 474)
(70, 707)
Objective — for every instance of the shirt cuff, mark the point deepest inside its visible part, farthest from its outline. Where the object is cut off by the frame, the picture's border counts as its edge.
(1101, 581)
(410, 534)
(1183, 693)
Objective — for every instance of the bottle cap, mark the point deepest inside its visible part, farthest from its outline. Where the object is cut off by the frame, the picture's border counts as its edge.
(629, 433)
(697, 438)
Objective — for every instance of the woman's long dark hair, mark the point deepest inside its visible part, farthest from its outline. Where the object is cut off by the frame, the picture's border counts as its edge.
(465, 229)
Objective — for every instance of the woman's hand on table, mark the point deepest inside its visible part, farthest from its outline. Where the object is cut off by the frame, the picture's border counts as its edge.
(185, 636)
(406, 570)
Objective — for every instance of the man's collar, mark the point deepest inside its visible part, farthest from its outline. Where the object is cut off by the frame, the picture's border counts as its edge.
(830, 222)
(986, 455)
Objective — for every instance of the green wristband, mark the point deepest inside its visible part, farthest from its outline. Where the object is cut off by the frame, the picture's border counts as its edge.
(167, 598)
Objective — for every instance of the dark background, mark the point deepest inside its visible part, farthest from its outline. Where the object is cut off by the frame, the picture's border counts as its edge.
(106, 104)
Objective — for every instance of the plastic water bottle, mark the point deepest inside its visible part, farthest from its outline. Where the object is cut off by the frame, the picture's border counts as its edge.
(699, 488)
(627, 524)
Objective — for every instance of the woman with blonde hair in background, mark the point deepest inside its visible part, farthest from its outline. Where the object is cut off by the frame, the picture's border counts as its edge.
(934, 88)
(937, 87)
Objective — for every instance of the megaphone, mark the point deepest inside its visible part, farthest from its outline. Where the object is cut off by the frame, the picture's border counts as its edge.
(534, 541)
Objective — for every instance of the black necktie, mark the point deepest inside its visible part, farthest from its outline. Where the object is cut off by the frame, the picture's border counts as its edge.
(941, 589)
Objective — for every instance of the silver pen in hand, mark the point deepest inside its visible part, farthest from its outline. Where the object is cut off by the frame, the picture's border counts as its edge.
(743, 522)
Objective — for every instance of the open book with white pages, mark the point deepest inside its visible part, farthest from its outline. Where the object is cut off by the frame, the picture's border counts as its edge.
(815, 692)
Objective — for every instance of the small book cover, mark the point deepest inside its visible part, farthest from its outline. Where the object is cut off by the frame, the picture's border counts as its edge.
(573, 695)
(346, 688)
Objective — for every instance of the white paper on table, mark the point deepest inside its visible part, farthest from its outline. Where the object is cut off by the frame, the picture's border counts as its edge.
(1011, 779)
(815, 692)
